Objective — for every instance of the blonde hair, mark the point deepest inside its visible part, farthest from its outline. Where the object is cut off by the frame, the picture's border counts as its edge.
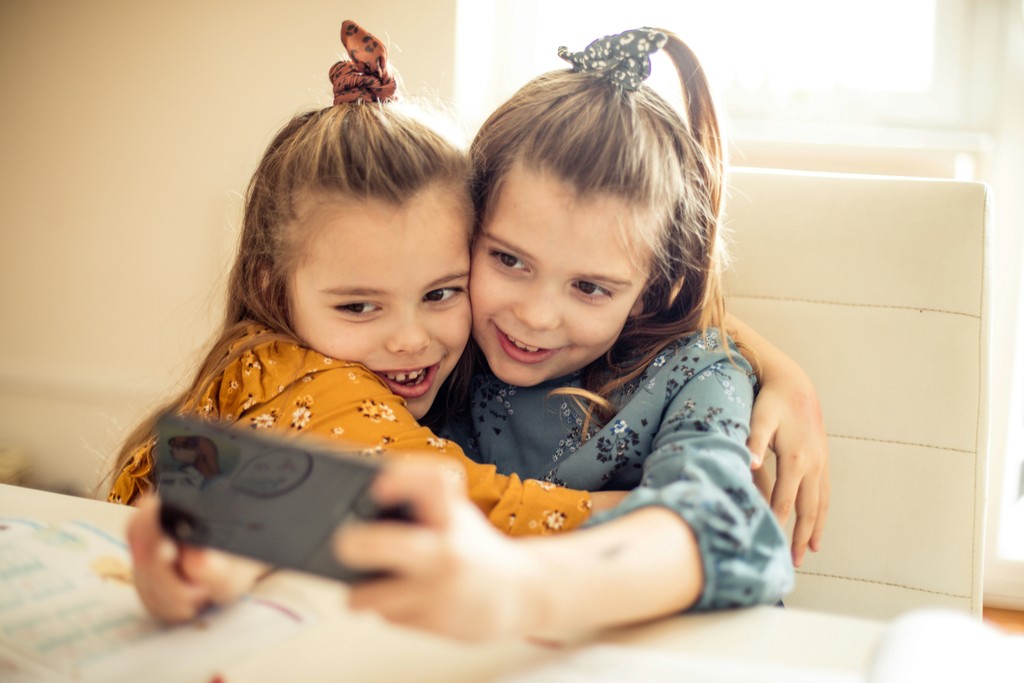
(360, 150)
(586, 131)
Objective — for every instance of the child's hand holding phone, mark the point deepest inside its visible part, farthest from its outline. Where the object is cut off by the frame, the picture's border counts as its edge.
(450, 572)
(275, 500)
(176, 582)
(234, 504)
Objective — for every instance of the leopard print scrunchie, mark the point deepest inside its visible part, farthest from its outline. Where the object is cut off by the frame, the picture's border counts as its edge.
(624, 59)
(366, 76)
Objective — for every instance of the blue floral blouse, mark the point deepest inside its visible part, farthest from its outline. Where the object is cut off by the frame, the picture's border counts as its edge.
(678, 440)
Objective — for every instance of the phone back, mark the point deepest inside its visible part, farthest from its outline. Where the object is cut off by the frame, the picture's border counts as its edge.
(276, 500)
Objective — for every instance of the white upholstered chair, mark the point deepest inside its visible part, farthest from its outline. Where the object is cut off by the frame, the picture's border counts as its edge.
(876, 286)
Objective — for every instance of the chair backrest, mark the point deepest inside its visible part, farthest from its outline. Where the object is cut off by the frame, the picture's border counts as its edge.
(876, 286)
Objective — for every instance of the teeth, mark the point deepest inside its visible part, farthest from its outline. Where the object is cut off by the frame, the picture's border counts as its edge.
(406, 377)
(521, 345)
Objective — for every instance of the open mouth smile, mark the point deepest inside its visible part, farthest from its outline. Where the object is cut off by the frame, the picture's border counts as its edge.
(522, 352)
(524, 347)
(410, 383)
(408, 378)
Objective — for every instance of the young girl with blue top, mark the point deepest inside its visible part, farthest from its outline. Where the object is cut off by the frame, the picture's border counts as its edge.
(599, 313)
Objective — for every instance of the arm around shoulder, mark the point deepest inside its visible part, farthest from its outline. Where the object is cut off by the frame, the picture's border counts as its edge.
(452, 573)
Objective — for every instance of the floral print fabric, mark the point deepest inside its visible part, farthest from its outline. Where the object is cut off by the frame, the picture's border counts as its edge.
(287, 388)
(678, 441)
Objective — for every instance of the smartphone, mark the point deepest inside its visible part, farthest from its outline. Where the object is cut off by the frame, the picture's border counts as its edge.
(273, 499)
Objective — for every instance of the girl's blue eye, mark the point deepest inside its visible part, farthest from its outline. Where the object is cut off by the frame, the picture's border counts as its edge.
(443, 294)
(360, 308)
(592, 290)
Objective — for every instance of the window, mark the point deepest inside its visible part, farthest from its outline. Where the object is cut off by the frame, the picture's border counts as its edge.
(870, 62)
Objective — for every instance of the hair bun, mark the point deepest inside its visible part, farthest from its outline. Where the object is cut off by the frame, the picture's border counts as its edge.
(365, 75)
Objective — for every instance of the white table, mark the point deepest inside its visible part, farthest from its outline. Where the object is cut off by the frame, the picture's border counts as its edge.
(357, 647)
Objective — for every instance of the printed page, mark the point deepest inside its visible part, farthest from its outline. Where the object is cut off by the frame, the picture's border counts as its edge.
(68, 612)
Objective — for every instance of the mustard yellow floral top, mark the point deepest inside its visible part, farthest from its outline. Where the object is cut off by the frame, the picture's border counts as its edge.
(291, 389)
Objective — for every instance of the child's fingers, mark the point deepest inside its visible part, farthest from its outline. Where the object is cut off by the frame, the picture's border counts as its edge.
(806, 517)
(763, 481)
(143, 532)
(224, 577)
(418, 605)
(429, 486)
(824, 500)
(441, 605)
(787, 485)
(762, 432)
(397, 548)
(170, 600)
(388, 597)
(160, 586)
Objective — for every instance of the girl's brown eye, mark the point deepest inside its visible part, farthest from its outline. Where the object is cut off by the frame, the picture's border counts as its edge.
(591, 290)
(508, 260)
(441, 294)
(357, 308)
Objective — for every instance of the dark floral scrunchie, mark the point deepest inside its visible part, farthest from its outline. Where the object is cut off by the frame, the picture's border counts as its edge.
(624, 59)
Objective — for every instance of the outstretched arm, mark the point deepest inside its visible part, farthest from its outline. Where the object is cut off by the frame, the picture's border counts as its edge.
(452, 573)
(694, 534)
(787, 419)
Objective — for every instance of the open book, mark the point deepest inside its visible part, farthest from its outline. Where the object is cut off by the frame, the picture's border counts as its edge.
(68, 612)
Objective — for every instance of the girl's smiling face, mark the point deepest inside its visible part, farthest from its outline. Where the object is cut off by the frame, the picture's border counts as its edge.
(386, 286)
(554, 279)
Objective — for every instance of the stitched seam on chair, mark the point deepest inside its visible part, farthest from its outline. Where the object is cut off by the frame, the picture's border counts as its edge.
(906, 443)
(920, 309)
(883, 583)
(981, 373)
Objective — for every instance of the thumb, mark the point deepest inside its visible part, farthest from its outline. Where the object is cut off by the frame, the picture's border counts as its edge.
(429, 486)
(762, 430)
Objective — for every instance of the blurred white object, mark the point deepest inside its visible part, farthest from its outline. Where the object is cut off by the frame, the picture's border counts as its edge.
(937, 645)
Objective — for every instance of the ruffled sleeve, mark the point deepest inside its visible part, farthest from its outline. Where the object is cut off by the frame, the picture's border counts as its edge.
(699, 467)
(134, 478)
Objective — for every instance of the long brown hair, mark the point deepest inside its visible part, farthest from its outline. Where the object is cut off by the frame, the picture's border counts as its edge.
(593, 135)
(361, 150)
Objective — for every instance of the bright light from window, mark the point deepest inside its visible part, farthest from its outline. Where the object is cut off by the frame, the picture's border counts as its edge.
(805, 58)
(872, 45)
(788, 45)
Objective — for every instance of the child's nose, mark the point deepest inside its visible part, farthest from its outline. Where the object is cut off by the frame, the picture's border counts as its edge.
(539, 311)
(410, 338)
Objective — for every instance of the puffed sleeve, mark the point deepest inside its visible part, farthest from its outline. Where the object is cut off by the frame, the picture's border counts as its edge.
(134, 478)
(699, 466)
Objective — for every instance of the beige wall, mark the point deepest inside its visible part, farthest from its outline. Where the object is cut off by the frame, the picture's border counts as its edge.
(129, 132)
